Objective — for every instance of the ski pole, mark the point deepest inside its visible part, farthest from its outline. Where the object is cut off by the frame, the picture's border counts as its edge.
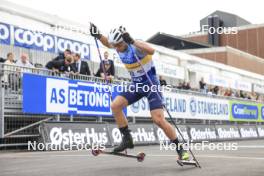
(101, 60)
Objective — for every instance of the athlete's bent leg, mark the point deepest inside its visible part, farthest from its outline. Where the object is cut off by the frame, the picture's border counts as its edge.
(117, 108)
(159, 119)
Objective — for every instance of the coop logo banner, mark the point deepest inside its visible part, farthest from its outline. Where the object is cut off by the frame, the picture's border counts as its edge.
(244, 111)
(4, 34)
(62, 96)
(76, 47)
(33, 40)
(13, 35)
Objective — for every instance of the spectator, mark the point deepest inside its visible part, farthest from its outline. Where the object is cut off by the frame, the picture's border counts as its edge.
(242, 94)
(180, 85)
(248, 96)
(2, 60)
(80, 66)
(183, 85)
(186, 86)
(221, 91)
(254, 96)
(61, 65)
(62, 56)
(215, 90)
(260, 98)
(202, 85)
(108, 67)
(233, 93)
(237, 94)
(228, 92)
(24, 62)
(210, 91)
(14, 79)
(10, 59)
(162, 81)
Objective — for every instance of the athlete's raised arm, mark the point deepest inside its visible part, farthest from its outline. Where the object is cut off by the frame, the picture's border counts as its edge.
(143, 46)
(94, 31)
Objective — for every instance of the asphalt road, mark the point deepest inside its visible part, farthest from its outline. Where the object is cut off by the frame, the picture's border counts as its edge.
(247, 160)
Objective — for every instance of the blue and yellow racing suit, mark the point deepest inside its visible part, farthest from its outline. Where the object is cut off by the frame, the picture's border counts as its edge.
(138, 76)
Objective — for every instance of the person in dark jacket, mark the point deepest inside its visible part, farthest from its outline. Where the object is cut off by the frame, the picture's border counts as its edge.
(202, 84)
(186, 86)
(162, 81)
(2, 60)
(81, 67)
(109, 67)
(63, 55)
(61, 65)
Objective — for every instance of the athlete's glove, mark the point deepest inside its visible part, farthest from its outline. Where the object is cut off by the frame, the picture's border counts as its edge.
(125, 35)
(94, 31)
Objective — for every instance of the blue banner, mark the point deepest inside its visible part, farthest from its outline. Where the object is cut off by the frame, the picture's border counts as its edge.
(4, 34)
(13, 35)
(244, 111)
(33, 40)
(64, 96)
(76, 47)
(262, 112)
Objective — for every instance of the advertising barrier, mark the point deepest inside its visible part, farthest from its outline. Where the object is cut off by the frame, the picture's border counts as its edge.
(64, 96)
(261, 109)
(248, 132)
(260, 129)
(82, 133)
(141, 133)
(5, 34)
(246, 111)
(185, 106)
(202, 133)
(67, 96)
(65, 134)
(161, 136)
(227, 132)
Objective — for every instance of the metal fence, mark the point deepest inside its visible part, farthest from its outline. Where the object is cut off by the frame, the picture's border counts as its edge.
(42, 58)
(17, 127)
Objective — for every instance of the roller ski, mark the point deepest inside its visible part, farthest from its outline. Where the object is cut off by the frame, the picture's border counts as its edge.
(140, 156)
(184, 160)
(127, 142)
